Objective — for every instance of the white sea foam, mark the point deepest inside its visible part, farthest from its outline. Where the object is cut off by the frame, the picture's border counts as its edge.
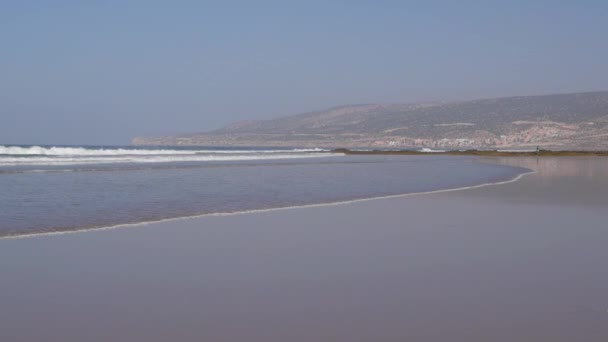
(54, 156)
(82, 151)
(12, 161)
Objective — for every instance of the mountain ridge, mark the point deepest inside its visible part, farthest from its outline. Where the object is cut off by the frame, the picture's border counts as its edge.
(572, 120)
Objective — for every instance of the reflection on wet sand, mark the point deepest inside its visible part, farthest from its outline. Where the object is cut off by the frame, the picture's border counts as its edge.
(582, 167)
(578, 181)
(523, 261)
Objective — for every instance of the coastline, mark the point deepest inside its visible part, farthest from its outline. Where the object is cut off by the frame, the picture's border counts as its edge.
(522, 261)
(481, 153)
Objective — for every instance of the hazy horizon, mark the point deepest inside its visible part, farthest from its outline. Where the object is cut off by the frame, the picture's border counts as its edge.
(103, 73)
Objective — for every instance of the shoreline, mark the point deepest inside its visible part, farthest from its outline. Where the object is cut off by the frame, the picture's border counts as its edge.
(255, 211)
(506, 259)
(481, 153)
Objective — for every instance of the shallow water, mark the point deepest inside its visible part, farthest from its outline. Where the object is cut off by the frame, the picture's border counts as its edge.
(71, 192)
(523, 261)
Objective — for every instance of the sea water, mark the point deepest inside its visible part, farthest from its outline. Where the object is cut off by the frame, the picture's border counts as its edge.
(66, 188)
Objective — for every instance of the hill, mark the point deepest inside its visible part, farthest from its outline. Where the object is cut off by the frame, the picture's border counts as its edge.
(560, 121)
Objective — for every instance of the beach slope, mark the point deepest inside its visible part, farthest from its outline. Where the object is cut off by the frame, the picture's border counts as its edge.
(523, 261)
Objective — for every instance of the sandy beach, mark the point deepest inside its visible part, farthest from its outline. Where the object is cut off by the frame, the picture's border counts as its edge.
(523, 261)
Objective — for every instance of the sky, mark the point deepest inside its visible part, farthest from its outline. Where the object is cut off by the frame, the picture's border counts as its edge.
(103, 72)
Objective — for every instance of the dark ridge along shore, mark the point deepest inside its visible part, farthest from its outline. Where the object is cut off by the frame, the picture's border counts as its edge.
(489, 153)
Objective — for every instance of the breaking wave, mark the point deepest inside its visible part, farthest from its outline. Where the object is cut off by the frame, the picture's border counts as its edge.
(15, 156)
(83, 151)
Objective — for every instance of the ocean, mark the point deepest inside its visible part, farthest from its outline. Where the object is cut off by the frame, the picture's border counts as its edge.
(53, 189)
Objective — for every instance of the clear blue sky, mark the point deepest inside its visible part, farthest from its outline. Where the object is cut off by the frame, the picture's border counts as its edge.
(101, 72)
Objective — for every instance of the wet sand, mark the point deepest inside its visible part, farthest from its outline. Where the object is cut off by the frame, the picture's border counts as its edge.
(524, 261)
